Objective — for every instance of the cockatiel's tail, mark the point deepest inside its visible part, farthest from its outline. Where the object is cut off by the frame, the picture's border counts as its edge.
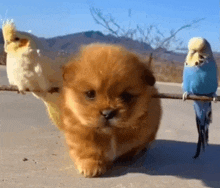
(32, 64)
(200, 77)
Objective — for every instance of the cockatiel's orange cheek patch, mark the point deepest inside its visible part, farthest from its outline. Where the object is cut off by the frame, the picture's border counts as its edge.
(24, 42)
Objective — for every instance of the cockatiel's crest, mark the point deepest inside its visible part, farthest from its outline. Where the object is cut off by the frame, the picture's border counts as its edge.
(9, 30)
(199, 51)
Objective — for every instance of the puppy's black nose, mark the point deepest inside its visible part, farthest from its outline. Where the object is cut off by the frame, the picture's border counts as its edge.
(109, 114)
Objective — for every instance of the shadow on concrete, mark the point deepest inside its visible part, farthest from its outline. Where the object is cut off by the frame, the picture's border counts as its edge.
(174, 158)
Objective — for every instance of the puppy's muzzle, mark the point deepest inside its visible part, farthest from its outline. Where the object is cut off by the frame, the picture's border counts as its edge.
(109, 114)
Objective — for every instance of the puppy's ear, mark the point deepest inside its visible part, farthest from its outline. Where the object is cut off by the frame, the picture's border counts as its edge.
(148, 77)
(68, 72)
(150, 60)
(147, 74)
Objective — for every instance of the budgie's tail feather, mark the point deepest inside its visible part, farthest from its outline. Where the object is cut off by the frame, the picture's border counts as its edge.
(203, 112)
(202, 140)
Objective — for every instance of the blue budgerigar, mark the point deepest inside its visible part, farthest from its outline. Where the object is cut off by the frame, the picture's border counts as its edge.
(200, 77)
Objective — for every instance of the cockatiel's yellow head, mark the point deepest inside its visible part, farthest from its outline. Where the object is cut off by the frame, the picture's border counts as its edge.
(198, 51)
(16, 42)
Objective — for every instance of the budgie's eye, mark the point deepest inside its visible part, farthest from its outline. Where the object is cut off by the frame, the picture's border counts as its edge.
(201, 61)
(196, 63)
(201, 57)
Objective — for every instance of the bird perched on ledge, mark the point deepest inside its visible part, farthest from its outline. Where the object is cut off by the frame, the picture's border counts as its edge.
(32, 65)
(200, 77)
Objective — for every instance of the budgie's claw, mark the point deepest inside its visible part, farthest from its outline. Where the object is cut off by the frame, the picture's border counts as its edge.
(185, 95)
(215, 99)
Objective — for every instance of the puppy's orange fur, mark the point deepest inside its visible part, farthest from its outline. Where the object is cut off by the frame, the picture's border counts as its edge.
(107, 109)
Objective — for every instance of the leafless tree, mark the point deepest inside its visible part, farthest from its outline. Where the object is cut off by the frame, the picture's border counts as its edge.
(152, 35)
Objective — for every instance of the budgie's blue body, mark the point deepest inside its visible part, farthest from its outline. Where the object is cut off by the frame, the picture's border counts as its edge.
(200, 77)
(200, 80)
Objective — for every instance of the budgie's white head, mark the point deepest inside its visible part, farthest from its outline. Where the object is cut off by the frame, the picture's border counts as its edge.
(17, 42)
(199, 50)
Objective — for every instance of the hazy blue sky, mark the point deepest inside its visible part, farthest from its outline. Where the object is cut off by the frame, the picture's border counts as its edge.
(53, 18)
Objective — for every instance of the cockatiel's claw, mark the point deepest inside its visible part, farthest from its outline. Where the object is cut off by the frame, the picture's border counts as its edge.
(21, 92)
(185, 95)
(54, 90)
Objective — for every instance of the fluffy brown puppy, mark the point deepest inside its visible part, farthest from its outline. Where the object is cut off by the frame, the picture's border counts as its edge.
(107, 109)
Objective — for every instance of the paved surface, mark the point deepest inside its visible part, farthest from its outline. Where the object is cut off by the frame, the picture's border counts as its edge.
(33, 151)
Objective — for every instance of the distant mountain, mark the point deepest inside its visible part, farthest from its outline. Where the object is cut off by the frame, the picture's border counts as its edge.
(1, 37)
(71, 43)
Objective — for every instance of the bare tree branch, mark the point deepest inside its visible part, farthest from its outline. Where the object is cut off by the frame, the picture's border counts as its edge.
(153, 36)
(173, 34)
(160, 95)
(15, 89)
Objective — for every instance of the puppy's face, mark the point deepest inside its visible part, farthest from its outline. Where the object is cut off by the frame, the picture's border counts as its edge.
(107, 86)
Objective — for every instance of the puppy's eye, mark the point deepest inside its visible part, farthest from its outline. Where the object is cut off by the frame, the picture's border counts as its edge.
(91, 94)
(16, 39)
(126, 97)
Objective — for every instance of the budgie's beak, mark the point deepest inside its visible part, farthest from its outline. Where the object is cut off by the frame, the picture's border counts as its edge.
(194, 58)
(199, 51)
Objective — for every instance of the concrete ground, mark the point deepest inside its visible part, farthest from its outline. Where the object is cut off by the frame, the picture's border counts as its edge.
(33, 152)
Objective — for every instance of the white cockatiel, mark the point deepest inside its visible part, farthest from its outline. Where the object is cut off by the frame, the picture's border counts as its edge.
(32, 65)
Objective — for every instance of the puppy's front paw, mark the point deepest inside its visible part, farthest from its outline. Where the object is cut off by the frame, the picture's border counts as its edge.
(91, 168)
